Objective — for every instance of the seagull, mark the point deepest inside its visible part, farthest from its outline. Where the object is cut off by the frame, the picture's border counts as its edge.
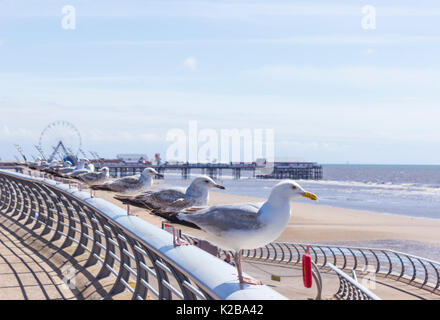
(34, 164)
(43, 164)
(168, 202)
(130, 184)
(95, 177)
(247, 225)
(67, 170)
(54, 166)
(50, 166)
(88, 169)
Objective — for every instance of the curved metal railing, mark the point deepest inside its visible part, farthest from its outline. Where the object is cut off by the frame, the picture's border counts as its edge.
(417, 271)
(139, 256)
(349, 288)
(318, 281)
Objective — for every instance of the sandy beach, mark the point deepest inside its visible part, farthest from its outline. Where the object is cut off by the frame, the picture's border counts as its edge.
(317, 223)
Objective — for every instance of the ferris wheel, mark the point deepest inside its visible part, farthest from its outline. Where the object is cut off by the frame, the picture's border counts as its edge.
(60, 139)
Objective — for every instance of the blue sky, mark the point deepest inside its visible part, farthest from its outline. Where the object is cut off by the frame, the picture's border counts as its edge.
(132, 70)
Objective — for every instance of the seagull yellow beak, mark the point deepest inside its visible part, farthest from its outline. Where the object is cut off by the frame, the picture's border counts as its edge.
(309, 195)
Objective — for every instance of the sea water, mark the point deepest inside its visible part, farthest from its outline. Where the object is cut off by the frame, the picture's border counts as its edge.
(411, 190)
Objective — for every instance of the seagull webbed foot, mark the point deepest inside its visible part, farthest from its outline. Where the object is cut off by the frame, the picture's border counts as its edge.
(177, 242)
(246, 280)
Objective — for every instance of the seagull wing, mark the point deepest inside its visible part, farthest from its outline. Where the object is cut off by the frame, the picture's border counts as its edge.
(123, 183)
(88, 176)
(223, 218)
(163, 198)
(154, 200)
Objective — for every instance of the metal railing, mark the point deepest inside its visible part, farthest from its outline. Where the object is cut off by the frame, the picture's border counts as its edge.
(416, 271)
(318, 281)
(139, 256)
(349, 288)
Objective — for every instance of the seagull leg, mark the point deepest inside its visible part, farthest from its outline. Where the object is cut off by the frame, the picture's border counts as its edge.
(177, 242)
(241, 279)
(129, 212)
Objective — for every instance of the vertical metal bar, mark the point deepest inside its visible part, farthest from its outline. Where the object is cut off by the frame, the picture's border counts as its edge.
(140, 290)
(123, 274)
(96, 249)
(108, 259)
(390, 263)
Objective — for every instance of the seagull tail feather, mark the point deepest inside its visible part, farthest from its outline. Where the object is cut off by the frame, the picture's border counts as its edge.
(100, 187)
(127, 199)
(173, 218)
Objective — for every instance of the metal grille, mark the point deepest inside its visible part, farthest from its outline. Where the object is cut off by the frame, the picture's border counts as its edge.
(140, 257)
(350, 289)
(419, 272)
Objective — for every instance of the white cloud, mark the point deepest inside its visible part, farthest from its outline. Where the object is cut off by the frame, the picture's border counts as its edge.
(137, 119)
(351, 75)
(99, 135)
(190, 63)
(341, 39)
(7, 133)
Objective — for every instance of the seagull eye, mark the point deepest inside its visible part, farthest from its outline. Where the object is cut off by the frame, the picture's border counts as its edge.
(206, 181)
(294, 188)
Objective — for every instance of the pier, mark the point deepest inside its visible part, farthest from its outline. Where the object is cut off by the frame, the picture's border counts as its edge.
(280, 170)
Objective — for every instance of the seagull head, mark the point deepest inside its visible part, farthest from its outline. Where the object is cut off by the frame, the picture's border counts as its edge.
(205, 182)
(151, 172)
(105, 169)
(290, 189)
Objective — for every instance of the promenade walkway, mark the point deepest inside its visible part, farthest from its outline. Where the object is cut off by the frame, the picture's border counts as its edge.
(32, 268)
(25, 272)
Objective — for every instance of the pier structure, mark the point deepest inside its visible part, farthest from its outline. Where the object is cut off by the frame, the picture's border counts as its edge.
(309, 173)
(299, 170)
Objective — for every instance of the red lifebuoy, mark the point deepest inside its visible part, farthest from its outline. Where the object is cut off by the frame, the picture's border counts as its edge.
(307, 270)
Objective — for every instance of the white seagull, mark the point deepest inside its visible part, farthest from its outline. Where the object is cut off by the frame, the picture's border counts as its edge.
(247, 226)
(130, 184)
(87, 169)
(69, 169)
(168, 202)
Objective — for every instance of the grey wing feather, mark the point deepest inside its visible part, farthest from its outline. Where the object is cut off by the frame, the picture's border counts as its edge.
(89, 176)
(168, 195)
(164, 198)
(123, 183)
(219, 219)
(127, 180)
(158, 200)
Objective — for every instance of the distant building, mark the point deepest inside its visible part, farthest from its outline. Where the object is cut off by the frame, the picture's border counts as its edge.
(132, 158)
